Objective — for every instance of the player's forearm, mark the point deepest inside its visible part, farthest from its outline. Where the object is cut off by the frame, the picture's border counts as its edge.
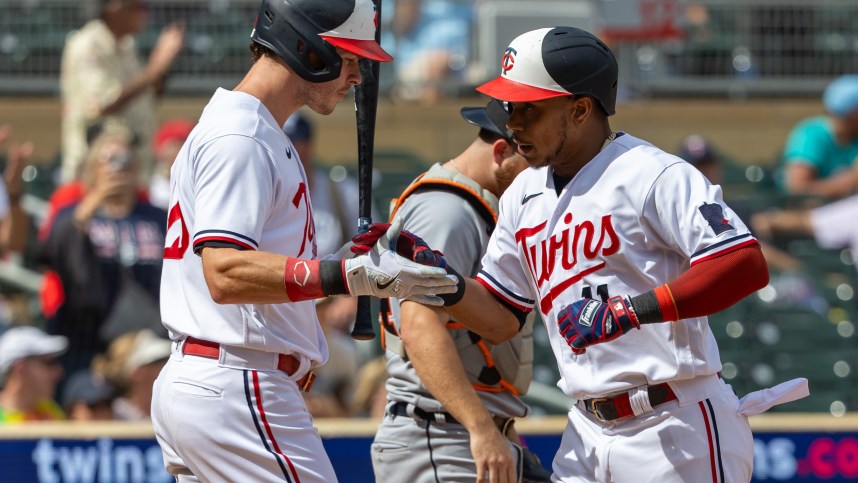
(433, 354)
(245, 276)
(482, 313)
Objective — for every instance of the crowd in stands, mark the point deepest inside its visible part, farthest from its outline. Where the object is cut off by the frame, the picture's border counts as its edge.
(96, 345)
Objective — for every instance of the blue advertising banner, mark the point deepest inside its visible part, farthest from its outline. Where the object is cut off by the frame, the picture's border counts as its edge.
(73, 454)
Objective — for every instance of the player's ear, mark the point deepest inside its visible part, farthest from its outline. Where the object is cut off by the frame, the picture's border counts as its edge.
(502, 149)
(582, 107)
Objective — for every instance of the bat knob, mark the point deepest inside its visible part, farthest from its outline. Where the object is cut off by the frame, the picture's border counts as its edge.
(363, 335)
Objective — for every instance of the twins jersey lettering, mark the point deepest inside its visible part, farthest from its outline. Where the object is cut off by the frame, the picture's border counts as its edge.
(550, 250)
(238, 182)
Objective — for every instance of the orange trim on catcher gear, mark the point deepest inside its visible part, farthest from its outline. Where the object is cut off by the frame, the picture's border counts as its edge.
(509, 387)
(487, 355)
(397, 202)
(384, 318)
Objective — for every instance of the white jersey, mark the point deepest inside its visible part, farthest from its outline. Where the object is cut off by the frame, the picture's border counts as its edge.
(237, 181)
(631, 220)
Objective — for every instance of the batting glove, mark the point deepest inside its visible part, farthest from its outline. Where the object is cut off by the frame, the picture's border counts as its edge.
(383, 273)
(363, 242)
(408, 245)
(588, 322)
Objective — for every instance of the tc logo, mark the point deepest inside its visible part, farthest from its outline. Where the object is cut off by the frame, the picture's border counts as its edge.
(508, 60)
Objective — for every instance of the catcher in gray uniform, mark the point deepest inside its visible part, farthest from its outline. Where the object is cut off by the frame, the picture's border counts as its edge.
(452, 397)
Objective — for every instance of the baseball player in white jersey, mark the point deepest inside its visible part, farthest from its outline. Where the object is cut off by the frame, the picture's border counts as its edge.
(610, 236)
(240, 271)
(453, 398)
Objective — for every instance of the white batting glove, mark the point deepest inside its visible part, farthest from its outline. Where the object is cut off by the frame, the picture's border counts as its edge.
(345, 252)
(382, 273)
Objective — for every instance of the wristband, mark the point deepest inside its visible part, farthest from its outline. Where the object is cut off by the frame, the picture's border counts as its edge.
(655, 306)
(313, 279)
(331, 277)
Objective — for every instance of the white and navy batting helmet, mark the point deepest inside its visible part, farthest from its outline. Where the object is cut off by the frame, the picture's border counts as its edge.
(294, 29)
(554, 62)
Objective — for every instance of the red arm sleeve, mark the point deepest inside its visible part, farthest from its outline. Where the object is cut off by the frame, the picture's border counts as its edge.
(715, 284)
(707, 287)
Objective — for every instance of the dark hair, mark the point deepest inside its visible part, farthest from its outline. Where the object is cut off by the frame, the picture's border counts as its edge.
(490, 137)
(258, 51)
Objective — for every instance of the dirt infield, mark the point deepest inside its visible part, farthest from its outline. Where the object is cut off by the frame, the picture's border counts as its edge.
(748, 131)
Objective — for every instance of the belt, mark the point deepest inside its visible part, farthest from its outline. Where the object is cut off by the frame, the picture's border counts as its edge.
(285, 362)
(401, 409)
(617, 407)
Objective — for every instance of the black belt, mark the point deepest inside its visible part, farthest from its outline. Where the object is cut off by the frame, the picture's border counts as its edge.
(611, 408)
(401, 409)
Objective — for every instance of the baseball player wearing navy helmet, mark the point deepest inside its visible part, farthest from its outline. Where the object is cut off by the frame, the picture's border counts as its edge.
(624, 250)
(452, 397)
(240, 269)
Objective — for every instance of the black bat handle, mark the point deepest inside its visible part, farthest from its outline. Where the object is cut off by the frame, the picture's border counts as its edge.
(366, 102)
(363, 329)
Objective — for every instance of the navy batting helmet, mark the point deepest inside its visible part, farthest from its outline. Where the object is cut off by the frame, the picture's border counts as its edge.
(297, 29)
(554, 62)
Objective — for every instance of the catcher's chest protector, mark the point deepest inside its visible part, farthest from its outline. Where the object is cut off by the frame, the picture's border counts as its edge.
(507, 366)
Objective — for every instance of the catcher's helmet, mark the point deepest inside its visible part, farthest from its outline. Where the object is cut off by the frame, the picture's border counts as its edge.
(294, 29)
(553, 62)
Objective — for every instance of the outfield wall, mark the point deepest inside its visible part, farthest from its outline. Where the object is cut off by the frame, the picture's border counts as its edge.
(788, 448)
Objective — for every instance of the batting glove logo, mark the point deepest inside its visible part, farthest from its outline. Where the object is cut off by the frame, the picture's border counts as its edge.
(588, 322)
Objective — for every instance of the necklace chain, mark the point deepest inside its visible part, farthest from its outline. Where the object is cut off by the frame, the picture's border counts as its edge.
(609, 139)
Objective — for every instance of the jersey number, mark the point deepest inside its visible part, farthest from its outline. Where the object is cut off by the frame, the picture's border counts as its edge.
(309, 224)
(176, 230)
(601, 292)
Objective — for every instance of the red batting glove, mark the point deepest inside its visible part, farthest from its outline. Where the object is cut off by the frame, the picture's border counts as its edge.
(408, 245)
(363, 242)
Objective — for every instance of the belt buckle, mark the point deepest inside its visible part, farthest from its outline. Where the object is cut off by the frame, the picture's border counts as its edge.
(595, 410)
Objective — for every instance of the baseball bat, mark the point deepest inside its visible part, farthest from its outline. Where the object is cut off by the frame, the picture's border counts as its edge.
(366, 105)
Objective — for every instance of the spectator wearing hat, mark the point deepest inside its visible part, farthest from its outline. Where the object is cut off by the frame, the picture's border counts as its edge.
(820, 155)
(29, 373)
(131, 364)
(88, 397)
(168, 141)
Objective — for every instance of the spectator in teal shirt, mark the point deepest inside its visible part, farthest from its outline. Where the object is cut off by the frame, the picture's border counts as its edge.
(821, 152)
